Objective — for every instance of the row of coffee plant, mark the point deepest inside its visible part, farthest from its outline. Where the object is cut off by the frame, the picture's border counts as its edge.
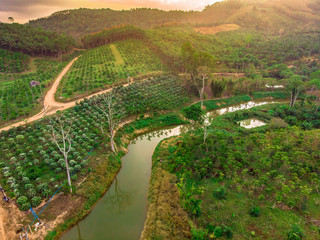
(31, 165)
(11, 62)
(17, 98)
(98, 68)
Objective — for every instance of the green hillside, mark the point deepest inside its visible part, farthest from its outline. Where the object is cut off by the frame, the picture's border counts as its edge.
(34, 41)
(272, 16)
(84, 21)
(104, 66)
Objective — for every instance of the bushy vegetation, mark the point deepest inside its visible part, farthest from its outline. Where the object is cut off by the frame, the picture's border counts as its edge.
(274, 95)
(305, 117)
(243, 183)
(111, 35)
(13, 62)
(97, 68)
(32, 166)
(219, 103)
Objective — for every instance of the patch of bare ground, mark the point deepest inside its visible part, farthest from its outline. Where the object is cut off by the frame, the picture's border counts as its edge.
(11, 220)
(216, 29)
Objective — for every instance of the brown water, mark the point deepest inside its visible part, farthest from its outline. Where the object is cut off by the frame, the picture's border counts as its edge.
(121, 213)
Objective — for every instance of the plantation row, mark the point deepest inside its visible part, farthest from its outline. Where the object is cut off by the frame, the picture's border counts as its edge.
(32, 167)
(97, 68)
(11, 62)
(16, 95)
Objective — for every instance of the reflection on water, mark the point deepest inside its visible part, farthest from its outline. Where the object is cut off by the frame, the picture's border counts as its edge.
(243, 106)
(275, 86)
(248, 105)
(251, 123)
(121, 213)
(79, 233)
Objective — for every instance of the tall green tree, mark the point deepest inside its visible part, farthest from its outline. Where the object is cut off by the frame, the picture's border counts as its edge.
(199, 65)
(295, 85)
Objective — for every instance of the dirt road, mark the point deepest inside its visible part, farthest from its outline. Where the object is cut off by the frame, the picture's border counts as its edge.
(2, 232)
(51, 105)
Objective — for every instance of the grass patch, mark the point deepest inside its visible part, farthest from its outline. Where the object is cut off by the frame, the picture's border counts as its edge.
(274, 95)
(116, 54)
(219, 103)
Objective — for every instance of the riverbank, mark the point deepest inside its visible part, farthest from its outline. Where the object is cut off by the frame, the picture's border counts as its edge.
(124, 136)
(66, 210)
(105, 170)
(234, 190)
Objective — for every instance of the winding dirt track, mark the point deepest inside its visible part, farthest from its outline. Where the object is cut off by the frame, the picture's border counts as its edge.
(51, 105)
(2, 232)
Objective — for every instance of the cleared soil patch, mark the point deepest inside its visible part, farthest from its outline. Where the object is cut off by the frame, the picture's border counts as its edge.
(216, 29)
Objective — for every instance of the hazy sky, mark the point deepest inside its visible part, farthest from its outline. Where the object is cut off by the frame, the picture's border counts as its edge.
(24, 10)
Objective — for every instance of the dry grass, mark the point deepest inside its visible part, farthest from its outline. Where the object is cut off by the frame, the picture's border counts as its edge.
(216, 29)
(166, 219)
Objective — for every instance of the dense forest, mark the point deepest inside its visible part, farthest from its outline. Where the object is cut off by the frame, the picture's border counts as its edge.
(113, 34)
(33, 41)
(84, 21)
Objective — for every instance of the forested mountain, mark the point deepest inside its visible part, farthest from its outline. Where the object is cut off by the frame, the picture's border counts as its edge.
(34, 41)
(274, 16)
(84, 21)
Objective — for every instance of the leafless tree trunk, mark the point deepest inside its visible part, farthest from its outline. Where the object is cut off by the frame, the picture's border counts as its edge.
(200, 86)
(294, 96)
(111, 114)
(61, 136)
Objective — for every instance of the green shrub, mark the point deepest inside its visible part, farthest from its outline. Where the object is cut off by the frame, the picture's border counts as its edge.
(254, 211)
(198, 234)
(220, 193)
(23, 203)
(22, 200)
(277, 123)
(193, 112)
(35, 201)
(218, 232)
(295, 233)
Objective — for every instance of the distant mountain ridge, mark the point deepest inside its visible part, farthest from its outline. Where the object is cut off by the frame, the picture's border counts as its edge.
(271, 15)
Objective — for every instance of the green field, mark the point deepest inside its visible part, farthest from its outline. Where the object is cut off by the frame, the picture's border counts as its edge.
(16, 95)
(11, 62)
(101, 67)
(32, 166)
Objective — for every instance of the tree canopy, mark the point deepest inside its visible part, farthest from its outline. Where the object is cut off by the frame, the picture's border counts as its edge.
(35, 41)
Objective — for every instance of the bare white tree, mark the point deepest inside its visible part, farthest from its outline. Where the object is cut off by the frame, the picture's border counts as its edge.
(109, 107)
(200, 81)
(61, 136)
